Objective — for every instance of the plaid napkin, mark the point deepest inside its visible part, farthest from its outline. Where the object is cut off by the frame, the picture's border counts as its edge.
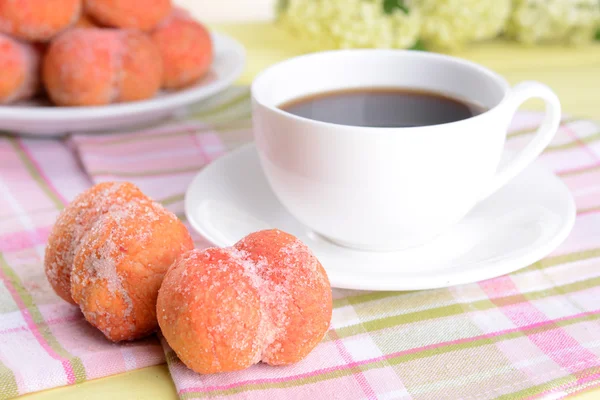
(535, 332)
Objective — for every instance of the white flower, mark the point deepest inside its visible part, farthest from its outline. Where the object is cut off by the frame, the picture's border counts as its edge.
(449, 24)
(567, 21)
(332, 24)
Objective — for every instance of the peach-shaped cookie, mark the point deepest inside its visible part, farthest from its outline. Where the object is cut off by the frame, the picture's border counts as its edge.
(209, 311)
(38, 20)
(19, 70)
(120, 265)
(108, 253)
(293, 275)
(142, 68)
(137, 14)
(73, 223)
(186, 49)
(84, 67)
(265, 299)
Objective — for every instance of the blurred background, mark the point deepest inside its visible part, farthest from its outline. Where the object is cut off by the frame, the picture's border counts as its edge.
(554, 41)
(438, 24)
(230, 10)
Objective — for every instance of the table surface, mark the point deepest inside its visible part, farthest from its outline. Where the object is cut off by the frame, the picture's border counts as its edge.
(573, 73)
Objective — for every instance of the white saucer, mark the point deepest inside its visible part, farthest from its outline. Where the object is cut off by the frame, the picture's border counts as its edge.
(517, 226)
(41, 119)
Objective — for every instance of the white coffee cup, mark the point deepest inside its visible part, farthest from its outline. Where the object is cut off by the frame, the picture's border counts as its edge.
(389, 188)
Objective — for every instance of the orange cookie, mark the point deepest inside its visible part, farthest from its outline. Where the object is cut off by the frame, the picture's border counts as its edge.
(142, 68)
(38, 20)
(137, 14)
(120, 265)
(85, 67)
(19, 70)
(265, 299)
(72, 224)
(294, 277)
(186, 49)
(108, 252)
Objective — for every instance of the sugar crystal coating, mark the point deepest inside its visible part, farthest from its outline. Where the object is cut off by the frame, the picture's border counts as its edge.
(265, 299)
(94, 66)
(136, 14)
(38, 20)
(298, 295)
(72, 224)
(142, 69)
(19, 65)
(108, 253)
(120, 265)
(186, 49)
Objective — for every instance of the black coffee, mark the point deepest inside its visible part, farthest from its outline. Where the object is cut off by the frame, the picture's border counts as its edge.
(382, 107)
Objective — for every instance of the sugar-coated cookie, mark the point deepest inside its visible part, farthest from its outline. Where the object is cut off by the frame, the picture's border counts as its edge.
(136, 14)
(265, 299)
(19, 70)
(85, 67)
(38, 20)
(186, 49)
(108, 253)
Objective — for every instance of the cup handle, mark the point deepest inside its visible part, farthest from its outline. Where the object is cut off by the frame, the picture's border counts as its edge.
(519, 94)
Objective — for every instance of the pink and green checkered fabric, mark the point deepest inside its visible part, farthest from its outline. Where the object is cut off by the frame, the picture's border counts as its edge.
(535, 332)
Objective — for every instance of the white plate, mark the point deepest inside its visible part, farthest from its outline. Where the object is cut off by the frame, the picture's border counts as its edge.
(41, 119)
(515, 227)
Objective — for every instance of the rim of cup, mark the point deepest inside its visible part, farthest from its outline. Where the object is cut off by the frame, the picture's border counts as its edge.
(260, 79)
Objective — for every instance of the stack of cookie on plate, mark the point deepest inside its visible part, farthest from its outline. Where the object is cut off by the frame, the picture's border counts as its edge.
(97, 52)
